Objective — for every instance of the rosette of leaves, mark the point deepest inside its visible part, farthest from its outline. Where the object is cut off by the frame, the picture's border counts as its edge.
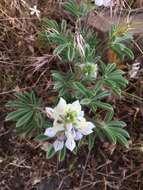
(26, 113)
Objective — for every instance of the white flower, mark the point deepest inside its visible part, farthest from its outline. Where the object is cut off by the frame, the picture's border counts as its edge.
(134, 70)
(105, 3)
(69, 125)
(35, 11)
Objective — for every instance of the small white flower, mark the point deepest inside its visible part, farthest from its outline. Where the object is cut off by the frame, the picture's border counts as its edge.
(105, 3)
(134, 70)
(69, 124)
(35, 11)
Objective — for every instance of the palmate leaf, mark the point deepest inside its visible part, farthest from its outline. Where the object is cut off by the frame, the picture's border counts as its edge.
(63, 82)
(112, 77)
(26, 114)
(114, 132)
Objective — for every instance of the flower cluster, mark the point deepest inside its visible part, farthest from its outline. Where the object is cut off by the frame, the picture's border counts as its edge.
(89, 69)
(69, 125)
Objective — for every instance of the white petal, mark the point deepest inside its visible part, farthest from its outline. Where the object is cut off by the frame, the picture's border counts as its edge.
(76, 106)
(86, 128)
(50, 132)
(58, 145)
(90, 125)
(70, 131)
(35, 7)
(61, 106)
(69, 127)
(32, 12)
(49, 112)
(86, 131)
(99, 2)
(57, 127)
(70, 144)
(80, 116)
(78, 136)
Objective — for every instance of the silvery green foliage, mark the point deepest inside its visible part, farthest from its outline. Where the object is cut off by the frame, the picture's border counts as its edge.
(83, 80)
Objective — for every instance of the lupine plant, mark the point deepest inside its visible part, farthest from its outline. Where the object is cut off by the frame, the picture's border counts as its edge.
(86, 84)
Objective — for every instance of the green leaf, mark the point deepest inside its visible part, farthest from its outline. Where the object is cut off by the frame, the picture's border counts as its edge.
(101, 95)
(41, 138)
(85, 101)
(103, 105)
(58, 50)
(110, 135)
(90, 141)
(71, 53)
(50, 152)
(109, 116)
(57, 76)
(78, 86)
(62, 154)
(110, 68)
(71, 7)
(129, 53)
(97, 87)
(16, 114)
(24, 119)
(116, 124)
(16, 104)
(75, 150)
(64, 26)
(122, 140)
(121, 131)
(49, 23)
